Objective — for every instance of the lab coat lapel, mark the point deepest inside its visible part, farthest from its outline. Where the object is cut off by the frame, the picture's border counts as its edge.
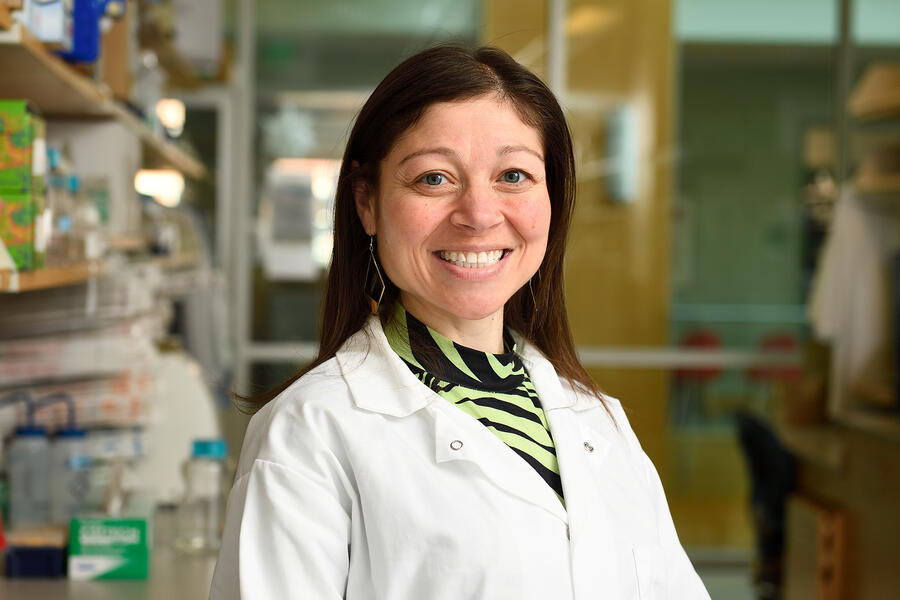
(379, 381)
(582, 453)
(459, 437)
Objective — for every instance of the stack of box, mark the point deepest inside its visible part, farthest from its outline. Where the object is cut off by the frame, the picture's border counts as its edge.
(24, 221)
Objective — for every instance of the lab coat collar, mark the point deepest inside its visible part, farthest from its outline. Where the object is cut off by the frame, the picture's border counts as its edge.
(382, 383)
(378, 379)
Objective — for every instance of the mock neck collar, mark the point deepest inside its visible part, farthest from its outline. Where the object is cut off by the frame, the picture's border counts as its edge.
(428, 352)
(381, 382)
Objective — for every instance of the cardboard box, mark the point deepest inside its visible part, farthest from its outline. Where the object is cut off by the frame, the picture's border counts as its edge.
(23, 148)
(51, 22)
(23, 167)
(20, 224)
(103, 547)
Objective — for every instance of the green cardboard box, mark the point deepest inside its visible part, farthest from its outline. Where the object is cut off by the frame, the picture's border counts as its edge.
(110, 548)
(23, 148)
(23, 167)
(21, 218)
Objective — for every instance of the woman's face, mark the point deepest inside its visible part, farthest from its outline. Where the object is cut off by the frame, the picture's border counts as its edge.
(462, 212)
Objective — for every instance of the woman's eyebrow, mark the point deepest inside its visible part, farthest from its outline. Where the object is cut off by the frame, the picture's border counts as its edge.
(442, 150)
(511, 149)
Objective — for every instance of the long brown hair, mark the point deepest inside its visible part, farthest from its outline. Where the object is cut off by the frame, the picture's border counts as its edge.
(445, 74)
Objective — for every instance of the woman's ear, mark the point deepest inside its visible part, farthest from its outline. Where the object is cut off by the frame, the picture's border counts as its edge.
(365, 201)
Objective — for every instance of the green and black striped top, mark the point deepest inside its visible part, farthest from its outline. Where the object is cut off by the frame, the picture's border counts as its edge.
(495, 389)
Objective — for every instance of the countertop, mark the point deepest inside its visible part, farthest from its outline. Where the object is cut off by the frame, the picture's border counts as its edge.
(173, 576)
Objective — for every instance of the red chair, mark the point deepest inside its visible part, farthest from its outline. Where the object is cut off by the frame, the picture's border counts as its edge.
(690, 382)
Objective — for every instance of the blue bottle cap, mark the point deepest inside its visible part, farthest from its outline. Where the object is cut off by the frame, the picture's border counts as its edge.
(53, 157)
(30, 431)
(212, 448)
(71, 433)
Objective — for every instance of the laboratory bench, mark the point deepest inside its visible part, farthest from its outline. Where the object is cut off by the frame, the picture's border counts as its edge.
(173, 576)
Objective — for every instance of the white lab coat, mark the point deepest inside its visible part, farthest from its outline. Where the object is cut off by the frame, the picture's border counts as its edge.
(359, 482)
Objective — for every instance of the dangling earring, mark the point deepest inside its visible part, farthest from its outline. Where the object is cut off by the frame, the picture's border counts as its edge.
(531, 289)
(374, 283)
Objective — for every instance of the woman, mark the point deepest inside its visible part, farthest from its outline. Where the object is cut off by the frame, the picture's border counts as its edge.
(450, 445)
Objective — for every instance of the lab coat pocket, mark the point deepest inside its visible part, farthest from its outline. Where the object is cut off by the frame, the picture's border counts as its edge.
(649, 570)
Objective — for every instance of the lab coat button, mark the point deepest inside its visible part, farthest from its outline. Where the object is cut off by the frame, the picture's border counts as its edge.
(588, 447)
(456, 445)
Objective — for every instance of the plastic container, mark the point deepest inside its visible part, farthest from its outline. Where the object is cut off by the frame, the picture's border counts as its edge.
(201, 512)
(60, 208)
(87, 229)
(29, 477)
(76, 231)
(85, 30)
(70, 464)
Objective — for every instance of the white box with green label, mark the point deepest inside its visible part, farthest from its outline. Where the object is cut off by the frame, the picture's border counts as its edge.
(110, 548)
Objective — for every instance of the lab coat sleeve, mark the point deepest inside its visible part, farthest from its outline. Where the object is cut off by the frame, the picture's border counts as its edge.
(287, 526)
(682, 580)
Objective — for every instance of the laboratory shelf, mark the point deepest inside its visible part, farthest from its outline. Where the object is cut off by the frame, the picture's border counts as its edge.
(883, 424)
(39, 279)
(877, 95)
(33, 72)
(878, 184)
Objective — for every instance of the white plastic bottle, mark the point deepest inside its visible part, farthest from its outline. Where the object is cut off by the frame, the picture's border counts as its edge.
(70, 463)
(29, 477)
(201, 512)
(86, 222)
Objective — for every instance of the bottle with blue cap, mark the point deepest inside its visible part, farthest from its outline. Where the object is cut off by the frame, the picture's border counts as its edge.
(201, 512)
(29, 476)
(70, 463)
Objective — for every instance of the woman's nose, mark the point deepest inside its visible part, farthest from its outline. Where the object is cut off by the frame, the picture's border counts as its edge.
(477, 209)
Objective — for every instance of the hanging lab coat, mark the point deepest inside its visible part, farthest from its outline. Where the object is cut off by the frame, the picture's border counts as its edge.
(359, 482)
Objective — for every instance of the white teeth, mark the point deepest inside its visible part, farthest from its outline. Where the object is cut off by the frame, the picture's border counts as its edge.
(472, 260)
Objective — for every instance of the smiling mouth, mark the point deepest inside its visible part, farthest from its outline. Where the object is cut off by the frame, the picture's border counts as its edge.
(473, 260)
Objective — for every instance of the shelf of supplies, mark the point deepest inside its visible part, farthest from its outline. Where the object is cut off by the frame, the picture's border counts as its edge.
(177, 262)
(166, 151)
(124, 242)
(40, 279)
(878, 185)
(877, 95)
(878, 108)
(170, 262)
(33, 72)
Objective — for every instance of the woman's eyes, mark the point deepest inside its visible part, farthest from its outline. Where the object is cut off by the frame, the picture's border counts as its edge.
(434, 179)
(513, 176)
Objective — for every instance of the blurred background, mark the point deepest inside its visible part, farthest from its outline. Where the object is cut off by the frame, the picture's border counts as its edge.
(167, 170)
